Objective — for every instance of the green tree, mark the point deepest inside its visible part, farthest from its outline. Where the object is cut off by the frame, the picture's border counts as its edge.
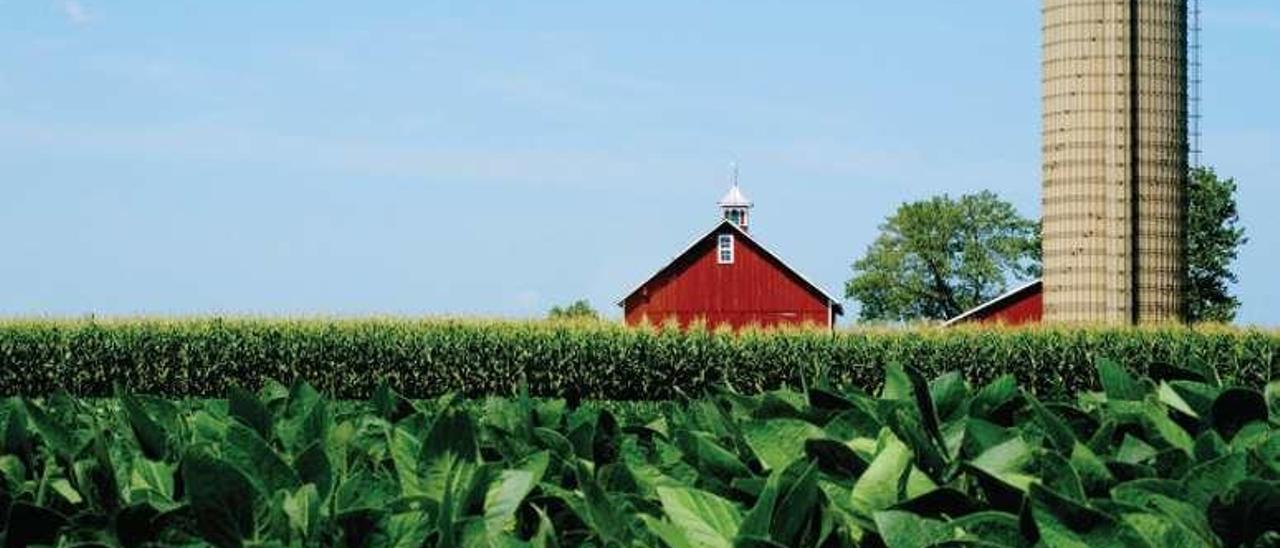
(1214, 238)
(579, 310)
(936, 258)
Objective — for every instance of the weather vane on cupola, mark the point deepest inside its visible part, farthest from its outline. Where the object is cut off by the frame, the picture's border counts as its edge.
(735, 205)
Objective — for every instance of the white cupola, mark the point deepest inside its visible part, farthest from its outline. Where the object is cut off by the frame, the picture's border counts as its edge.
(734, 205)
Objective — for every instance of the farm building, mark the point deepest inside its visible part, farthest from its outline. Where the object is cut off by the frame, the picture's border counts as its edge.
(726, 277)
(1019, 306)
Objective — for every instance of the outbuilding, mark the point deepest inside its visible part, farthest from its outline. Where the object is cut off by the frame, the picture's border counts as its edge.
(727, 277)
(1021, 305)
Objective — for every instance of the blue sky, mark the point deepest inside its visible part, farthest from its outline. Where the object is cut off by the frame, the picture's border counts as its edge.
(498, 158)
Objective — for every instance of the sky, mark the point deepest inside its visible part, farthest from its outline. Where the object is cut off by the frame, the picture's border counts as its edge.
(496, 159)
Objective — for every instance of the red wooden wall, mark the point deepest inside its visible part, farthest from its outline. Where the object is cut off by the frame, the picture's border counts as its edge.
(755, 289)
(1022, 309)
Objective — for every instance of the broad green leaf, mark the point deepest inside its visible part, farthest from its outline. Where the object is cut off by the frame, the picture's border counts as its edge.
(545, 536)
(261, 464)
(709, 456)
(777, 442)
(606, 440)
(1206, 480)
(1133, 450)
(704, 518)
(1094, 475)
(222, 499)
(313, 467)
(801, 497)
(1117, 382)
(1168, 429)
(853, 424)
(666, 531)
(1243, 514)
(994, 396)
(1272, 395)
(897, 386)
(406, 529)
(14, 472)
(906, 530)
(16, 438)
(759, 519)
(1170, 397)
(1158, 530)
(151, 437)
(878, 487)
(1059, 433)
(1064, 522)
(927, 412)
(243, 406)
(1008, 462)
(63, 487)
(555, 442)
(40, 525)
(996, 528)
(504, 497)
(950, 394)
(601, 512)
(1236, 407)
(153, 476)
(835, 459)
(1163, 501)
(449, 451)
(303, 510)
(58, 437)
(1057, 474)
(405, 449)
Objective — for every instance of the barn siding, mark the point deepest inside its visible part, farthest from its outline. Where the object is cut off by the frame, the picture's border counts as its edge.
(1028, 309)
(755, 289)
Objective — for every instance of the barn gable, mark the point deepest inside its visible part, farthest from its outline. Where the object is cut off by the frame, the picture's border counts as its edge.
(1018, 306)
(757, 287)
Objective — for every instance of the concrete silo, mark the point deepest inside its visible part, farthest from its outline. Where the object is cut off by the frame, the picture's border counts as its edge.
(1114, 159)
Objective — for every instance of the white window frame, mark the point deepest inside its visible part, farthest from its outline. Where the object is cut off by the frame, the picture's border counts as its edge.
(725, 243)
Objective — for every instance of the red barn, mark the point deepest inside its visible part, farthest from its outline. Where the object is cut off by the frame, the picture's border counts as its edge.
(1020, 306)
(727, 277)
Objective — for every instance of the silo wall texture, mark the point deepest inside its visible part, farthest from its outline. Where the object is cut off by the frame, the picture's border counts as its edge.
(1114, 160)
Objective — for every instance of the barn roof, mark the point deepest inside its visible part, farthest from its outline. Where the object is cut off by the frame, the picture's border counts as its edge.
(997, 302)
(835, 303)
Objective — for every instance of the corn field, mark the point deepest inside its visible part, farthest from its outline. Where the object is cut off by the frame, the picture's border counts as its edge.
(203, 357)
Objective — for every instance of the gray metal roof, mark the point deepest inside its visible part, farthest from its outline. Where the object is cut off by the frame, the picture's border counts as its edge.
(734, 198)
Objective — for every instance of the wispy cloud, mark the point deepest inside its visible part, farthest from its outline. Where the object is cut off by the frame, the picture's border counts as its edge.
(74, 11)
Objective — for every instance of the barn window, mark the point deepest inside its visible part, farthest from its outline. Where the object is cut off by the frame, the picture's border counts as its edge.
(726, 249)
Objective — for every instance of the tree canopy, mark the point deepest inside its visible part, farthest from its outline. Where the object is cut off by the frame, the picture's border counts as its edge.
(1214, 238)
(938, 257)
(579, 310)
